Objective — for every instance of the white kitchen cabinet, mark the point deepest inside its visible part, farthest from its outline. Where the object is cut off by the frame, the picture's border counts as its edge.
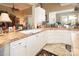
(4, 51)
(35, 43)
(59, 36)
(31, 42)
(41, 39)
(39, 16)
(18, 48)
(28, 46)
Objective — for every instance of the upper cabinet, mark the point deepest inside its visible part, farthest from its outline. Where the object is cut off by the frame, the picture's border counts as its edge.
(39, 15)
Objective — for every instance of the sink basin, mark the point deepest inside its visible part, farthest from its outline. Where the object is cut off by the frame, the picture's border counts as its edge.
(31, 31)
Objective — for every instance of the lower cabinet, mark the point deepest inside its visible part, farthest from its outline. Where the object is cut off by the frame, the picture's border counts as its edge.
(35, 43)
(31, 45)
(5, 50)
(18, 48)
(59, 36)
(28, 46)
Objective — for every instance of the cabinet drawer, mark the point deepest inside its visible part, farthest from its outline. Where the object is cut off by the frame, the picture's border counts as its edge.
(18, 42)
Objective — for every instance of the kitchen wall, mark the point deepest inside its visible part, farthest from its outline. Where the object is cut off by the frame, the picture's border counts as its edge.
(24, 14)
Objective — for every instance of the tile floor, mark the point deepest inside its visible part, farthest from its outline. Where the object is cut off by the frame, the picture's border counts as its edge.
(59, 49)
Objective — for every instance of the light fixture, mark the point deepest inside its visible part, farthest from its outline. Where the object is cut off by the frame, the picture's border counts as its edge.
(5, 18)
(14, 9)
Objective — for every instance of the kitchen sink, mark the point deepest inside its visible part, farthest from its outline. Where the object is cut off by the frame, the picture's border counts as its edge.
(31, 31)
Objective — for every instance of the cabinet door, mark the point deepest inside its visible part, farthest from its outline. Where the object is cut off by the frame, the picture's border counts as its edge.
(35, 43)
(59, 36)
(42, 39)
(31, 45)
(18, 48)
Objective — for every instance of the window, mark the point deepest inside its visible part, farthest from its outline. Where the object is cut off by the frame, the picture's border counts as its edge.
(69, 19)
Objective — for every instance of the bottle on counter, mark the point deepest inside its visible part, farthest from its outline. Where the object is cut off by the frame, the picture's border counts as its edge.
(14, 28)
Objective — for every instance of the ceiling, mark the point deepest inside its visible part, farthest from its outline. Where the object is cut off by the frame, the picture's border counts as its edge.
(46, 6)
(49, 7)
(20, 6)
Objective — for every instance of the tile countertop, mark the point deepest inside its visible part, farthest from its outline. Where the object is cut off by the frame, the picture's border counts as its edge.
(10, 37)
(63, 29)
(13, 36)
